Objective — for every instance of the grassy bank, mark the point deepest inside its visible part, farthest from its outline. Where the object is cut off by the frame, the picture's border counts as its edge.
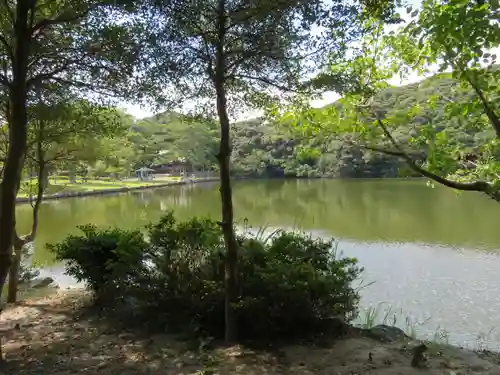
(62, 186)
(58, 334)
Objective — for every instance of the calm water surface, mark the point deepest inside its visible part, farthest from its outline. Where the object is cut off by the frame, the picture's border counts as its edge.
(433, 256)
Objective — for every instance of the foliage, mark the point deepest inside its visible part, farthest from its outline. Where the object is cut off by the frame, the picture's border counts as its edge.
(466, 51)
(47, 50)
(58, 131)
(230, 55)
(453, 137)
(169, 136)
(290, 285)
(104, 259)
(324, 149)
(260, 147)
(73, 44)
(255, 49)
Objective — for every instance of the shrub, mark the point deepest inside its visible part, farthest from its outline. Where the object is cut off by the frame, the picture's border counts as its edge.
(104, 259)
(290, 285)
(294, 285)
(187, 276)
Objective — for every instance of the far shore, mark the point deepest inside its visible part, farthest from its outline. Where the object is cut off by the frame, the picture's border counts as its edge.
(101, 187)
(66, 189)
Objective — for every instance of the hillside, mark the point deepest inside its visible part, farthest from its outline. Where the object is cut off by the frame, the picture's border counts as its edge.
(264, 150)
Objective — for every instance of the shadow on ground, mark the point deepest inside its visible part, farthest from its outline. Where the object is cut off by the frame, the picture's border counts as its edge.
(56, 336)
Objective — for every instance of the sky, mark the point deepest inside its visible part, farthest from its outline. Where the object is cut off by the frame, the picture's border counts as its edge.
(328, 97)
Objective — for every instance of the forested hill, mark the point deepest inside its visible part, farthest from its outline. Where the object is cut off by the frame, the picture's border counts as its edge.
(260, 149)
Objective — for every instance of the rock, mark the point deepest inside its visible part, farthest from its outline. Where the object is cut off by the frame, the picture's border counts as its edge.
(385, 333)
(43, 283)
(419, 358)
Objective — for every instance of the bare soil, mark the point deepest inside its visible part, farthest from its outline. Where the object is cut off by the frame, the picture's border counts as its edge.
(51, 335)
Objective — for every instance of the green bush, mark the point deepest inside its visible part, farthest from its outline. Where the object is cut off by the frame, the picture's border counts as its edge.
(290, 285)
(294, 285)
(105, 260)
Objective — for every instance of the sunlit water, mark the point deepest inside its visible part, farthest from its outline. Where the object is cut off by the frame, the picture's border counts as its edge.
(433, 256)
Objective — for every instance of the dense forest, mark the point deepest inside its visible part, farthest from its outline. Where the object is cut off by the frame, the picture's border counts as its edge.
(264, 148)
(261, 147)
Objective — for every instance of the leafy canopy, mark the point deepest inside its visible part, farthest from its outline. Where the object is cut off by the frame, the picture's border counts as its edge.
(455, 36)
(259, 48)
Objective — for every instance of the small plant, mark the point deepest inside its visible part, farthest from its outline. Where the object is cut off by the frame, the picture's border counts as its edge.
(481, 340)
(373, 316)
(441, 336)
(292, 282)
(369, 318)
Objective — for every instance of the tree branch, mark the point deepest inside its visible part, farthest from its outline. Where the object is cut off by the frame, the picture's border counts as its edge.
(81, 84)
(492, 116)
(480, 186)
(9, 11)
(267, 82)
(62, 18)
(49, 75)
(490, 113)
(206, 44)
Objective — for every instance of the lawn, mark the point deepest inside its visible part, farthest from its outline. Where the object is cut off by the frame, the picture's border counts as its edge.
(64, 185)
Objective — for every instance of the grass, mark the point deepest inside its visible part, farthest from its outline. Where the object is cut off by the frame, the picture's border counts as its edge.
(390, 317)
(64, 185)
(396, 318)
(373, 316)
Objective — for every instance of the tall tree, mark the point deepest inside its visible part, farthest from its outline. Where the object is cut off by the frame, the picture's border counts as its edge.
(63, 44)
(447, 36)
(244, 54)
(56, 132)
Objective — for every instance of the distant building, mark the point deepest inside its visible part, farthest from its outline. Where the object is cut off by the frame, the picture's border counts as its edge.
(144, 173)
(174, 167)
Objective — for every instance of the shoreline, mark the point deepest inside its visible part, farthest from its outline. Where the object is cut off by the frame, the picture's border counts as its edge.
(118, 190)
(105, 349)
(125, 189)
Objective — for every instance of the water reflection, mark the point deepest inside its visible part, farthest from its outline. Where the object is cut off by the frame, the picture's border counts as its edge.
(380, 210)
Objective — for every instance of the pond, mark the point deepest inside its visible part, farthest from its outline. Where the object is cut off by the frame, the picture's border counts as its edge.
(431, 256)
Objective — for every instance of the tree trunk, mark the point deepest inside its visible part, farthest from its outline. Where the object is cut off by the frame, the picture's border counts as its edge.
(19, 243)
(223, 157)
(45, 178)
(17, 138)
(15, 269)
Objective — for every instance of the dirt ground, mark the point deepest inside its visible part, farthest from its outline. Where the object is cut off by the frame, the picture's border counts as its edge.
(54, 337)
